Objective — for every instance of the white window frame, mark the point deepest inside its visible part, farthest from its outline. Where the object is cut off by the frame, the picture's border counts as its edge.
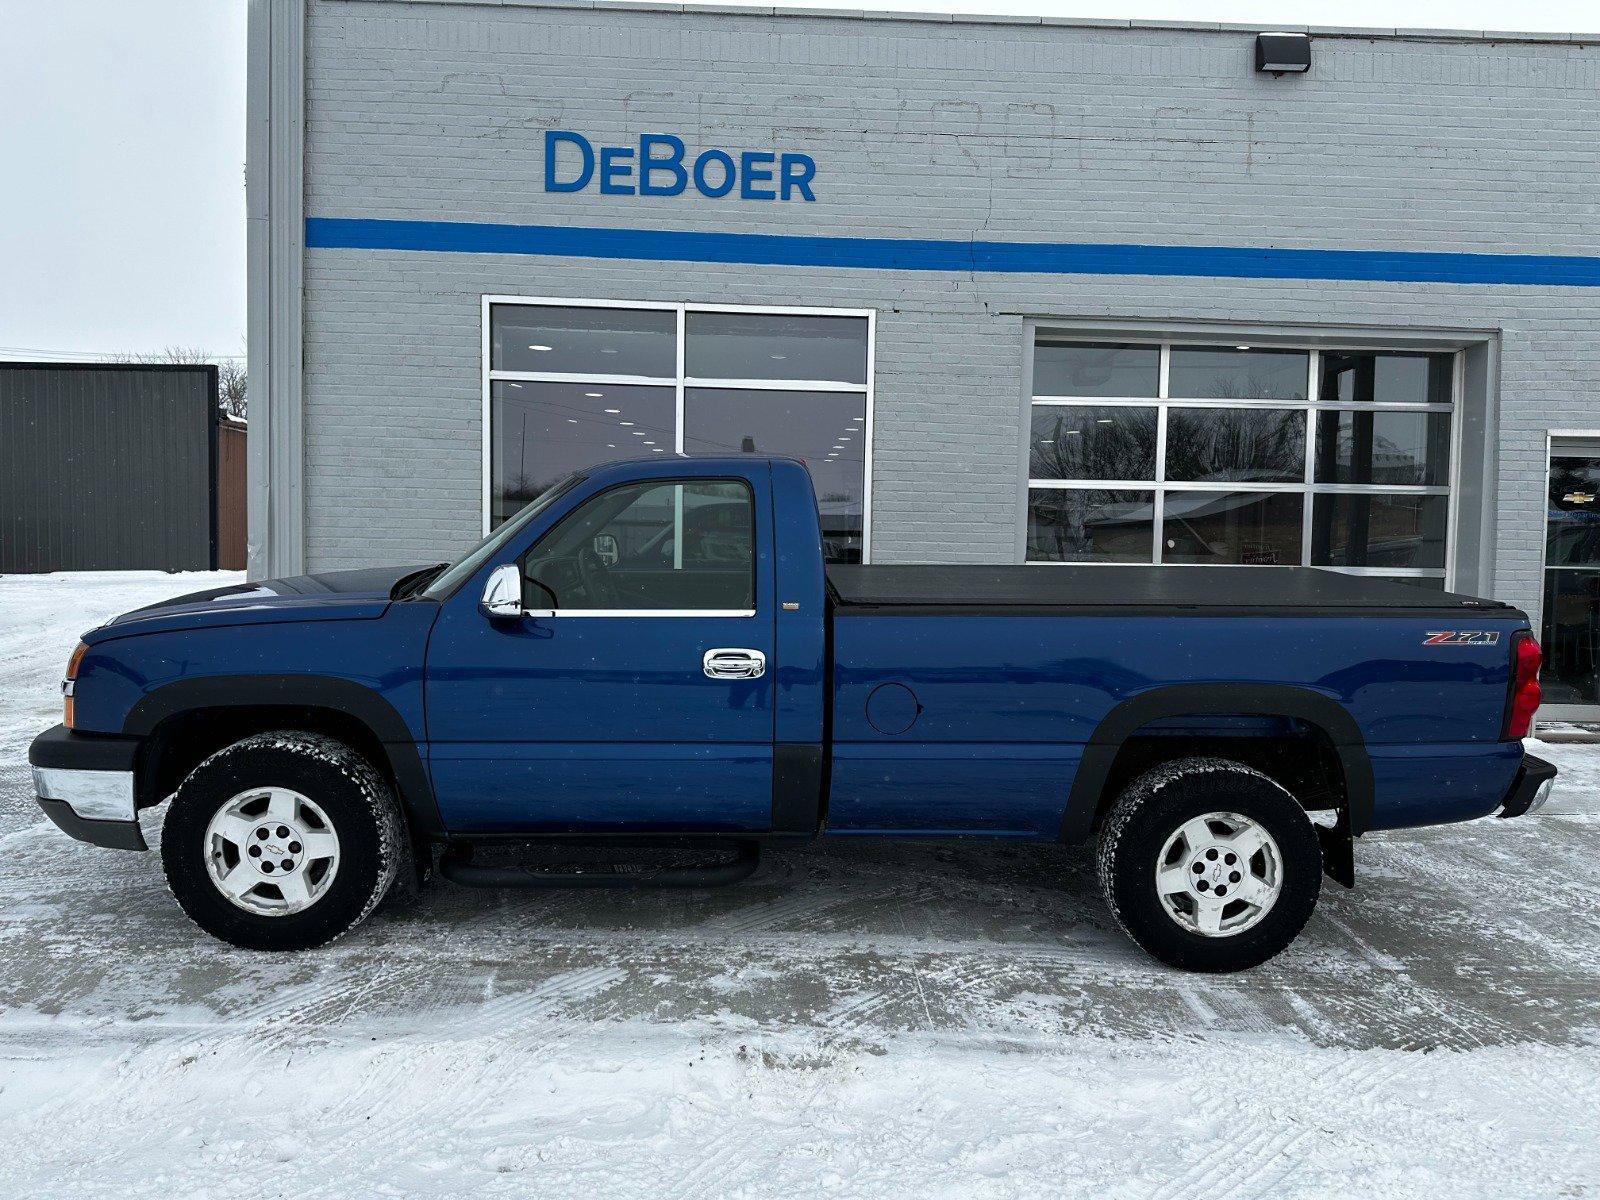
(1312, 405)
(681, 382)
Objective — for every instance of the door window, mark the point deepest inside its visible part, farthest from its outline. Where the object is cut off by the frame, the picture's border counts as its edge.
(1571, 632)
(664, 548)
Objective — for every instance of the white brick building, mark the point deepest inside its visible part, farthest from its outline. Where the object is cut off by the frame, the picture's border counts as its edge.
(990, 277)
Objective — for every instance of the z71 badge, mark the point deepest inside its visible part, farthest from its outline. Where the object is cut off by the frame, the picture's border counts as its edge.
(1461, 637)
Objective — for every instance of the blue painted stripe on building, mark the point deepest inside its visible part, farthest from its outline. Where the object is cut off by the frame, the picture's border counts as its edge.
(922, 254)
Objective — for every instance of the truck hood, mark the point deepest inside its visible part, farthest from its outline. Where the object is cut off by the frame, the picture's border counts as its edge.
(325, 596)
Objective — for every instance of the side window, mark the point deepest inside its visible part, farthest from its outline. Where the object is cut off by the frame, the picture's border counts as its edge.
(682, 546)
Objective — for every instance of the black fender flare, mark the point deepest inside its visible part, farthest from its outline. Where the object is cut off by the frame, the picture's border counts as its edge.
(302, 691)
(1217, 700)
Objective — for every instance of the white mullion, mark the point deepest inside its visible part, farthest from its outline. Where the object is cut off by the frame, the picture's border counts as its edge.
(1308, 505)
(1158, 524)
(1379, 489)
(488, 433)
(677, 444)
(1452, 480)
(866, 457)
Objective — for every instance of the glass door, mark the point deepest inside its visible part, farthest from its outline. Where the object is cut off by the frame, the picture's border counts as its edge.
(1571, 632)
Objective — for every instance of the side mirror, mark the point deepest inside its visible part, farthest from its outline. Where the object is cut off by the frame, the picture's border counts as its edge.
(502, 595)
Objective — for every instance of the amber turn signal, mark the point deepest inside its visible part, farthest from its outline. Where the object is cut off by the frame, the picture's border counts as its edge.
(69, 683)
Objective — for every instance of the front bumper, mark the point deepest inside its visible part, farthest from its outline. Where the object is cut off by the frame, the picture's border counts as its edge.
(84, 783)
(1530, 789)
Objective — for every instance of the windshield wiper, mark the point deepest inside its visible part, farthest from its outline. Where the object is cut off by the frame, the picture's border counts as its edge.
(410, 585)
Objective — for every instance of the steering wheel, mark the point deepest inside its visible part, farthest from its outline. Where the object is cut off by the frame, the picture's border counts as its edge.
(597, 583)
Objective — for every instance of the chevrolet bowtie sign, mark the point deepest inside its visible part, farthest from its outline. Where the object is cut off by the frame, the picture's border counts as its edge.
(1578, 498)
(660, 165)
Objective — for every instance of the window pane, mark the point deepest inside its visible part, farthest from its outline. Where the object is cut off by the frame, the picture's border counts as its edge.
(825, 430)
(1073, 442)
(620, 550)
(774, 346)
(1571, 637)
(1095, 369)
(1378, 531)
(541, 431)
(1072, 525)
(1385, 378)
(1263, 445)
(1572, 529)
(1224, 373)
(1220, 528)
(584, 341)
(1383, 447)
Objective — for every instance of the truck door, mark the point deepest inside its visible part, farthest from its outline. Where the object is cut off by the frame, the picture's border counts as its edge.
(636, 693)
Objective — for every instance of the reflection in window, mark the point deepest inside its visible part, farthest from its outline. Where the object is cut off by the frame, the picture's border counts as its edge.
(1571, 637)
(1307, 482)
(1241, 528)
(1261, 445)
(746, 345)
(1082, 525)
(1224, 373)
(1378, 531)
(1367, 378)
(1572, 527)
(1383, 447)
(1095, 369)
(543, 431)
(813, 405)
(825, 430)
(621, 550)
(584, 341)
(1075, 442)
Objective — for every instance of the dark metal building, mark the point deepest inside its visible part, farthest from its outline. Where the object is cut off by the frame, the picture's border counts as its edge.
(108, 467)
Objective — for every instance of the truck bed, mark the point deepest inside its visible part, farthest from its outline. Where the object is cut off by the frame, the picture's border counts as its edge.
(1223, 591)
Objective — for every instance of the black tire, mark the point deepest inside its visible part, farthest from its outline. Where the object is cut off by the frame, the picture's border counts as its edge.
(372, 843)
(1153, 808)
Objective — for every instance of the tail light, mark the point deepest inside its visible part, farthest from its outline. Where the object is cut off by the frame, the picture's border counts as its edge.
(1525, 693)
(70, 682)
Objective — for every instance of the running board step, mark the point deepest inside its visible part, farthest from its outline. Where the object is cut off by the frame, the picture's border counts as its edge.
(456, 865)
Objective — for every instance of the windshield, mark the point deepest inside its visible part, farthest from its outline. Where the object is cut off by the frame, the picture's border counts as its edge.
(467, 565)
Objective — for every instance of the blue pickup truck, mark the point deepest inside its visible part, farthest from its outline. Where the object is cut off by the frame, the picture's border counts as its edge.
(653, 654)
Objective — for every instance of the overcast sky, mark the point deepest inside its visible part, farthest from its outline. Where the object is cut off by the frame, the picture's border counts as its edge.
(122, 144)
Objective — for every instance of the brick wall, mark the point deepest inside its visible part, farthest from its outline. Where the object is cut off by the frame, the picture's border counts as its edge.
(932, 129)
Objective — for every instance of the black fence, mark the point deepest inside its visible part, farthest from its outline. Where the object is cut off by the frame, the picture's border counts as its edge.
(107, 467)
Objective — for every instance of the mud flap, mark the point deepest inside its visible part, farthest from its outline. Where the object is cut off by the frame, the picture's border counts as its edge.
(1339, 852)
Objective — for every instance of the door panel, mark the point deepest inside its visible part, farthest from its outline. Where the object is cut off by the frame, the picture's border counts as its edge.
(601, 717)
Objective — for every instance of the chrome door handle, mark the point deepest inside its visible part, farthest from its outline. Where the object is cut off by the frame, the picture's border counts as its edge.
(729, 662)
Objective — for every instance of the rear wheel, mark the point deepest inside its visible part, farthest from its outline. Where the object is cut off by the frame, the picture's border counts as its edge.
(1209, 865)
(282, 841)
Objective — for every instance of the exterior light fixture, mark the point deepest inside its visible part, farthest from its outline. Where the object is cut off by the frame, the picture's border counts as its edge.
(535, 346)
(1283, 53)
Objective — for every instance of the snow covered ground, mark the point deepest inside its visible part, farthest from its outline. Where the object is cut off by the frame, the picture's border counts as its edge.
(922, 1020)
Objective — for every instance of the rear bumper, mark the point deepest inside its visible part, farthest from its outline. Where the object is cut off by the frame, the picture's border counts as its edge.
(84, 783)
(1530, 789)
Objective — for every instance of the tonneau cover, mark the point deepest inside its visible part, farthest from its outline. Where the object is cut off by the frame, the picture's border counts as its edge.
(1302, 590)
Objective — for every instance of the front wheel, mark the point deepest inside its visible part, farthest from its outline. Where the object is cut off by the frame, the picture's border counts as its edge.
(282, 841)
(1209, 865)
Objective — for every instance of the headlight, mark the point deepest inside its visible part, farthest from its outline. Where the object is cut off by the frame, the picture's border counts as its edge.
(70, 682)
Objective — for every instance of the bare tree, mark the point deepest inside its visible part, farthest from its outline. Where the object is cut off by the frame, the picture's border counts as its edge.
(233, 399)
